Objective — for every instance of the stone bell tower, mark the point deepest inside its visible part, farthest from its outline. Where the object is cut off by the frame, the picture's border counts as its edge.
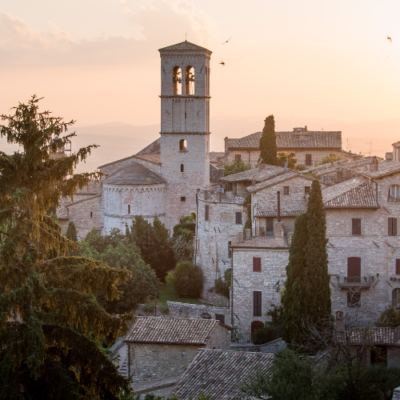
(185, 126)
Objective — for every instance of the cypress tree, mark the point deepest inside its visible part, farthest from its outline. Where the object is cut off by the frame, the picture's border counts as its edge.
(268, 145)
(293, 305)
(71, 232)
(51, 327)
(317, 257)
(307, 293)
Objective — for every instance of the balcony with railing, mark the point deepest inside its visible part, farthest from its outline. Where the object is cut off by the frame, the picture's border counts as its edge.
(360, 282)
(259, 238)
(221, 196)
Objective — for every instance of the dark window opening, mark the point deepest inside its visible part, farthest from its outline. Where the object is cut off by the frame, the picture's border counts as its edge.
(207, 213)
(392, 226)
(229, 250)
(183, 198)
(255, 326)
(91, 214)
(238, 157)
(182, 145)
(270, 227)
(286, 190)
(239, 218)
(353, 299)
(307, 189)
(182, 168)
(220, 318)
(356, 226)
(129, 208)
(257, 308)
(308, 159)
(395, 297)
(354, 269)
(397, 266)
(379, 355)
(256, 264)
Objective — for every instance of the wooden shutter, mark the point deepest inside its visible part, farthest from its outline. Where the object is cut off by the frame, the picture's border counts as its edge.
(286, 190)
(220, 318)
(207, 213)
(238, 217)
(392, 226)
(354, 269)
(397, 266)
(308, 159)
(257, 304)
(256, 264)
(356, 226)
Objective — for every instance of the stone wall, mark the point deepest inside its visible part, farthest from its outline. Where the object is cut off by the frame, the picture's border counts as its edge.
(252, 156)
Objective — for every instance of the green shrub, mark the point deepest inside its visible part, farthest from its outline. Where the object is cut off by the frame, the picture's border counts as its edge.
(330, 159)
(221, 287)
(266, 334)
(301, 167)
(163, 308)
(228, 276)
(188, 280)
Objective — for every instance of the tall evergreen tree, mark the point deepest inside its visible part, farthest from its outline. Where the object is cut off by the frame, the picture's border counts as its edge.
(293, 305)
(268, 145)
(50, 323)
(307, 300)
(71, 232)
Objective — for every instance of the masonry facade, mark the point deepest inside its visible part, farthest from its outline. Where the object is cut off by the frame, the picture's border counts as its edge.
(162, 179)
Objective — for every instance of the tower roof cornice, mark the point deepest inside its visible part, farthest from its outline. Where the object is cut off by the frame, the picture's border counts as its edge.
(184, 47)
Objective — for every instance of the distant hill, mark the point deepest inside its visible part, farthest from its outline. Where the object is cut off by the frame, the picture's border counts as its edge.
(118, 140)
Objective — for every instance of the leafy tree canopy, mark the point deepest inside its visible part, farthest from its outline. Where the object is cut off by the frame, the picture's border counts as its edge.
(284, 158)
(123, 254)
(330, 159)
(154, 244)
(236, 167)
(71, 232)
(50, 322)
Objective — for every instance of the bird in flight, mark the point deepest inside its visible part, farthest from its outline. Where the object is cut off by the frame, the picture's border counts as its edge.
(389, 38)
(222, 63)
(226, 41)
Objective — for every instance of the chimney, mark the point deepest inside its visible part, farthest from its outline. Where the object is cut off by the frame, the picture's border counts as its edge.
(226, 144)
(389, 156)
(339, 321)
(374, 166)
(347, 174)
(339, 175)
(261, 166)
(305, 128)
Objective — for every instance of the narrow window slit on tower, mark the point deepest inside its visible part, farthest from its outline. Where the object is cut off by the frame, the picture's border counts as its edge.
(182, 168)
(129, 208)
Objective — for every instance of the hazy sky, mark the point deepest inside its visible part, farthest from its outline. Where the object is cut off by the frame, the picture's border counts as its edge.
(96, 61)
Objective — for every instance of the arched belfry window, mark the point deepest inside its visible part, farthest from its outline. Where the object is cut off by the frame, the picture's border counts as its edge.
(189, 80)
(177, 80)
(182, 145)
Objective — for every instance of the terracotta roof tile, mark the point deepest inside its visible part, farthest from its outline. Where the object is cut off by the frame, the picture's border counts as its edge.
(185, 46)
(189, 331)
(369, 336)
(289, 174)
(384, 168)
(270, 171)
(134, 174)
(291, 140)
(218, 373)
(353, 193)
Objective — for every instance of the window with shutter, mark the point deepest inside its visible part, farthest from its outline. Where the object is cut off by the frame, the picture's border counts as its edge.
(256, 264)
(207, 213)
(353, 299)
(238, 157)
(286, 190)
(356, 226)
(239, 218)
(392, 226)
(257, 304)
(307, 189)
(354, 269)
(397, 266)
(270, 227)
(308, 159)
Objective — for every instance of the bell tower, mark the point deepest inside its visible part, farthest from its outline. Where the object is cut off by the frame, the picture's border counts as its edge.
(185, 126)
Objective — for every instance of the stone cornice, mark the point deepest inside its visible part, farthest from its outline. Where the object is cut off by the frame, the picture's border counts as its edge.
(183, 96)
(132, 216)
(185, 133)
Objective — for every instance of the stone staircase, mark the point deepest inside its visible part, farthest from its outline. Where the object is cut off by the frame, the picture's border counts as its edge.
(123, 368)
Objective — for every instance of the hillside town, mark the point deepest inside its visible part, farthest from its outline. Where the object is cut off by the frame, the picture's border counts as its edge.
(243, 239)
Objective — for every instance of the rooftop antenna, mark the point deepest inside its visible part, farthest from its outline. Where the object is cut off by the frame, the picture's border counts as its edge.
(186, 35)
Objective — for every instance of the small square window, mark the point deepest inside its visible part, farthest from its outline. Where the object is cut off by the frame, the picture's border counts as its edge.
(207, 213)
(220, 318)
(353, 299)
(356, 226)
(239, 218)
(183, 198)
(238, 157)
(129, 208)
(307, 189)
(91, 214)
(286, 190)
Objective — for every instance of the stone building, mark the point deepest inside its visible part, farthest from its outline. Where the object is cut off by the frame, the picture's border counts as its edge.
(162, 179)
(160, 349)
(309, 146)
(218, 373)
(363, 247)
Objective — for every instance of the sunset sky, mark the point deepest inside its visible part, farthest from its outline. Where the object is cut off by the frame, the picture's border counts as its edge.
(97, 61)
